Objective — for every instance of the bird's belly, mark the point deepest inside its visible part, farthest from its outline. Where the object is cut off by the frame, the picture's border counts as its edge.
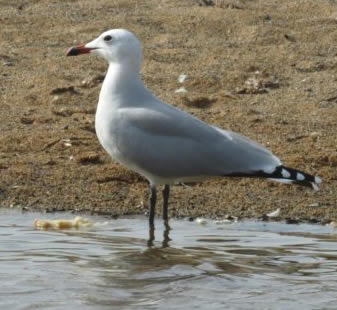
(106, 134)
(110, 136)
(110, 140)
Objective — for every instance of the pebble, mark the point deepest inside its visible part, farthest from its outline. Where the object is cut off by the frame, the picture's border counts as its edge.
(275, 213)
(8, 63)
(182, 78)
(180, 90)
(26, 120)
(56, 100)
(224, 221)
(64, 112)
(201, 221)
(92, 82)
(67, 142)
(62, 90)
(89, 158)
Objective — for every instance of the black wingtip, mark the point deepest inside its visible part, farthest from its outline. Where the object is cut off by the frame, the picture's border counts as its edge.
(298, 177)
(284, 175)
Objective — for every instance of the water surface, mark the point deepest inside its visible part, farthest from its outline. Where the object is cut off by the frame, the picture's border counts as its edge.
(243, 265)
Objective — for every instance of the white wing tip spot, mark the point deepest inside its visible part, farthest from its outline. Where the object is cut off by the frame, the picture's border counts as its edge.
(318, 180)
(314, 186)
(300, 176)
(285, 173)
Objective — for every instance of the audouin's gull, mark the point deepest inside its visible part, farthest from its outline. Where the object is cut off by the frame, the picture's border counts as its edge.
(163, 143)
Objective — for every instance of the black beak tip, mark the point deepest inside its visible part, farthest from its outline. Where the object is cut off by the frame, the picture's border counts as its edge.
(73, 51)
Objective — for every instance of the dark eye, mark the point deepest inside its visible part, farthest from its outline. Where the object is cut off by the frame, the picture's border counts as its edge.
(107, 38)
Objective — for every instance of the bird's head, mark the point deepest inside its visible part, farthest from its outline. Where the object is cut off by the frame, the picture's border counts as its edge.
(115, 46)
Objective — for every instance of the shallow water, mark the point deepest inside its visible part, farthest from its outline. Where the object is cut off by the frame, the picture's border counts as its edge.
(244, 265)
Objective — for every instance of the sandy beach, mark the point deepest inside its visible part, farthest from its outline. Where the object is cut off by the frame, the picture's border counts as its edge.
(266, 69)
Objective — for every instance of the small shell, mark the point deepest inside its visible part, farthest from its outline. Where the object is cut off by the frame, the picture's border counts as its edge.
(275, 213)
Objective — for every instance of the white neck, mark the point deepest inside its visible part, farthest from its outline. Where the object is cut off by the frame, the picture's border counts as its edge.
(118, 81)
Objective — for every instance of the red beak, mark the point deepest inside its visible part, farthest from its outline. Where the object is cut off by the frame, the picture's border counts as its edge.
(78, 50)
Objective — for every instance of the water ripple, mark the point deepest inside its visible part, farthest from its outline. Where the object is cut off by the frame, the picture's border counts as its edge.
(241, 265)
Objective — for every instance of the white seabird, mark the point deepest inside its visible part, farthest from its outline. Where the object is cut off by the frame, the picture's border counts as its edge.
(163, 143)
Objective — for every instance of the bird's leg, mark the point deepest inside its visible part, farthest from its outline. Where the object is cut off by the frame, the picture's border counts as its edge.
(153, 199)
(166, 193)
(166, 233)
(151, 236)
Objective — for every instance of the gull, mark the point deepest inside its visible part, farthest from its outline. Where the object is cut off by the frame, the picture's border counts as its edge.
(164, 144)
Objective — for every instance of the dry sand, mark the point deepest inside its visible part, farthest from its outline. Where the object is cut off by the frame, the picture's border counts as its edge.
(264, 68)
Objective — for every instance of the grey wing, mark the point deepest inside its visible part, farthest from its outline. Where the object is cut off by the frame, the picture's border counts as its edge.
(252, 154)
(173, 144)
